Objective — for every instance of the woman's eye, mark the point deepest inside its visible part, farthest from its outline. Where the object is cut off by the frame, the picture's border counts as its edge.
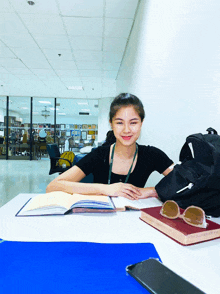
(134, 123)
(119, 123)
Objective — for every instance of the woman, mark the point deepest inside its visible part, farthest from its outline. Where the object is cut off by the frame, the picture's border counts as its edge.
(120, 169)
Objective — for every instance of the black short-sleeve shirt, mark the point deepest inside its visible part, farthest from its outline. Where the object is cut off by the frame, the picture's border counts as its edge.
(149, 159)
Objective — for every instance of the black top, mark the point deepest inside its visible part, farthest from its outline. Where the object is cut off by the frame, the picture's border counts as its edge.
(149, 159)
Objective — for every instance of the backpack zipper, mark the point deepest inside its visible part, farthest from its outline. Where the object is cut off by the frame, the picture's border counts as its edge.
(192, 150)
(187, 187)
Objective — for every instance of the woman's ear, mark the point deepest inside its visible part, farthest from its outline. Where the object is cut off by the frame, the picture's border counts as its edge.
(110, 124)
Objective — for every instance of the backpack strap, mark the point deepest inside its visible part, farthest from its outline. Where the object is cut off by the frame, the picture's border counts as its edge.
(212, 131)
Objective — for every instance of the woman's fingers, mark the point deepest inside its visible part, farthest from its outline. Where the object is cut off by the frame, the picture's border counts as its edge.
(130, 193)
(130, 197)
(125, 190)
(133, 189)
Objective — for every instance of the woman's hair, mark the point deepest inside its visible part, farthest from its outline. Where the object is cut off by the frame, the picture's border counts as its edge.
(126, 99)
(110, 138)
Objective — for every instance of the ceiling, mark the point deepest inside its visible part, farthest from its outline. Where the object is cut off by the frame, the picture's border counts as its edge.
(55, 44)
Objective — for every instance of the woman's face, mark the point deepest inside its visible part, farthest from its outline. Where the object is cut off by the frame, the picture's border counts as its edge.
(126, 125)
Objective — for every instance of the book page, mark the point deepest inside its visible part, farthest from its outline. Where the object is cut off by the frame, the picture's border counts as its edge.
(121, 203)
(61, 199)
(56, 198)
(94, 201)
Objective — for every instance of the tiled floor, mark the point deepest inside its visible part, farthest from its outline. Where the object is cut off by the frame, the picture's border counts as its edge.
(23, 176)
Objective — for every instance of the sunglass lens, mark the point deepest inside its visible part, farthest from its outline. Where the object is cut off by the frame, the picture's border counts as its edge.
(194, 216)
(170, 209)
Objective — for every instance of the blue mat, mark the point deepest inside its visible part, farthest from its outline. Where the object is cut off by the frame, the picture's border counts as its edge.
(70, 267)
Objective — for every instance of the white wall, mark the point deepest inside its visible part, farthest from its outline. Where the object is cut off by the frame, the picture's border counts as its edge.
(172, 63)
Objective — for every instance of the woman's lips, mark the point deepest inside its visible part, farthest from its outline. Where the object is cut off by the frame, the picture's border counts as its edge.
(126, 137)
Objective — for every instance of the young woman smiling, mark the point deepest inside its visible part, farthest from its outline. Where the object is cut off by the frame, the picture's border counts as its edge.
(122, 168)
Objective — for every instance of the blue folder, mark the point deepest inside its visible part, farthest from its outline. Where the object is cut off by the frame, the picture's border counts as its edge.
(70, 267)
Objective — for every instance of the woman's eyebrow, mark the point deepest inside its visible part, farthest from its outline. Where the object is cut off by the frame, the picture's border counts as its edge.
(118, 118)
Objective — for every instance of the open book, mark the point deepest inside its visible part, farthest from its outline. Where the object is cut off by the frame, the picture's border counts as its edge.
(62, 203)
(122, 204)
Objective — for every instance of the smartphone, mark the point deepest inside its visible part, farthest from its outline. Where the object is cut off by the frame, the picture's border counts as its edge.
(158, 279)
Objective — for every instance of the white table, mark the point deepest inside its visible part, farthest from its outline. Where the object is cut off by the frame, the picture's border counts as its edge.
(199, 264)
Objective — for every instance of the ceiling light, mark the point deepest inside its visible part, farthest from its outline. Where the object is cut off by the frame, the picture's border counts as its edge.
(83, 113)
(52, 108)
(75, 88)
(6, 101)
(62, 113)
(31, 2)
(45, 112)
(45, 102)
(24, 107)
(85, 109)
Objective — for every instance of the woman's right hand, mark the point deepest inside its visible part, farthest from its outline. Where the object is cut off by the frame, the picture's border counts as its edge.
(121, 189)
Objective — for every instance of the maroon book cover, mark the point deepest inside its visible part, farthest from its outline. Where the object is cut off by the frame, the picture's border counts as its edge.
(152, 216)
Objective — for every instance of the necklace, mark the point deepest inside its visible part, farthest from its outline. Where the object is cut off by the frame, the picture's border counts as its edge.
(111, 163)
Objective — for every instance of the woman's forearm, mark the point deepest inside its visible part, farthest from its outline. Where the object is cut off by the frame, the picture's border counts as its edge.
(76, 187)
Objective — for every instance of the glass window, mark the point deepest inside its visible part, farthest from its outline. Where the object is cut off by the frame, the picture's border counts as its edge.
(2, 127)
(43, 124)
(77, 123)
(74, 127)
(19, 128)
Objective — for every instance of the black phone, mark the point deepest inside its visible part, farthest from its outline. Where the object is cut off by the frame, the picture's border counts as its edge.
(159, 279)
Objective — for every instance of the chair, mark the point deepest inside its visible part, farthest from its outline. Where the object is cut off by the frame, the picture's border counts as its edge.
(42, 148)
(49, 140)
(71, 144)
(24, 141)
(54, 154)
(87, 179)
(61, 144)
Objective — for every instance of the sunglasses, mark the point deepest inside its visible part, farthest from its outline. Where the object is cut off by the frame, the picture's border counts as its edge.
(192, 215)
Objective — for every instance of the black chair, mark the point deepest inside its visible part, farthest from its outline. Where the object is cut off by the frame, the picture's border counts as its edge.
(54, 154)
(61, 144)
(71, 144)
(87, 179)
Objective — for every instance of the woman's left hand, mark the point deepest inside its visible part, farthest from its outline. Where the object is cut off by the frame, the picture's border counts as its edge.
(147, 192)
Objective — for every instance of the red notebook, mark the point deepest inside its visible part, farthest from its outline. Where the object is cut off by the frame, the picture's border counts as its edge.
(177, 229)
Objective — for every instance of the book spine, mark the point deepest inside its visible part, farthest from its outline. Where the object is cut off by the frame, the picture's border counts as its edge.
(120, 208)
(164, 228)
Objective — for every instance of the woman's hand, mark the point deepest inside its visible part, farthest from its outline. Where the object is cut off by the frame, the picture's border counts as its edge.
(147, 192)
(125, 190)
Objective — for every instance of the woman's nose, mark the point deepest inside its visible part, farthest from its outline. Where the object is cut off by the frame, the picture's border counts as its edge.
(126, 128)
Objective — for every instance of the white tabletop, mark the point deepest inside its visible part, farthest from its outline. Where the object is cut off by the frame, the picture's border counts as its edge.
(199, 264)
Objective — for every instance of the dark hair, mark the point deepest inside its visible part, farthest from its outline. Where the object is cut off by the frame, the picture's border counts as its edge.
(126, 99)
(110, 138)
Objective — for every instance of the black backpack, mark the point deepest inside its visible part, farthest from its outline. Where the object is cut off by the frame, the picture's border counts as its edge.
(196, 179)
